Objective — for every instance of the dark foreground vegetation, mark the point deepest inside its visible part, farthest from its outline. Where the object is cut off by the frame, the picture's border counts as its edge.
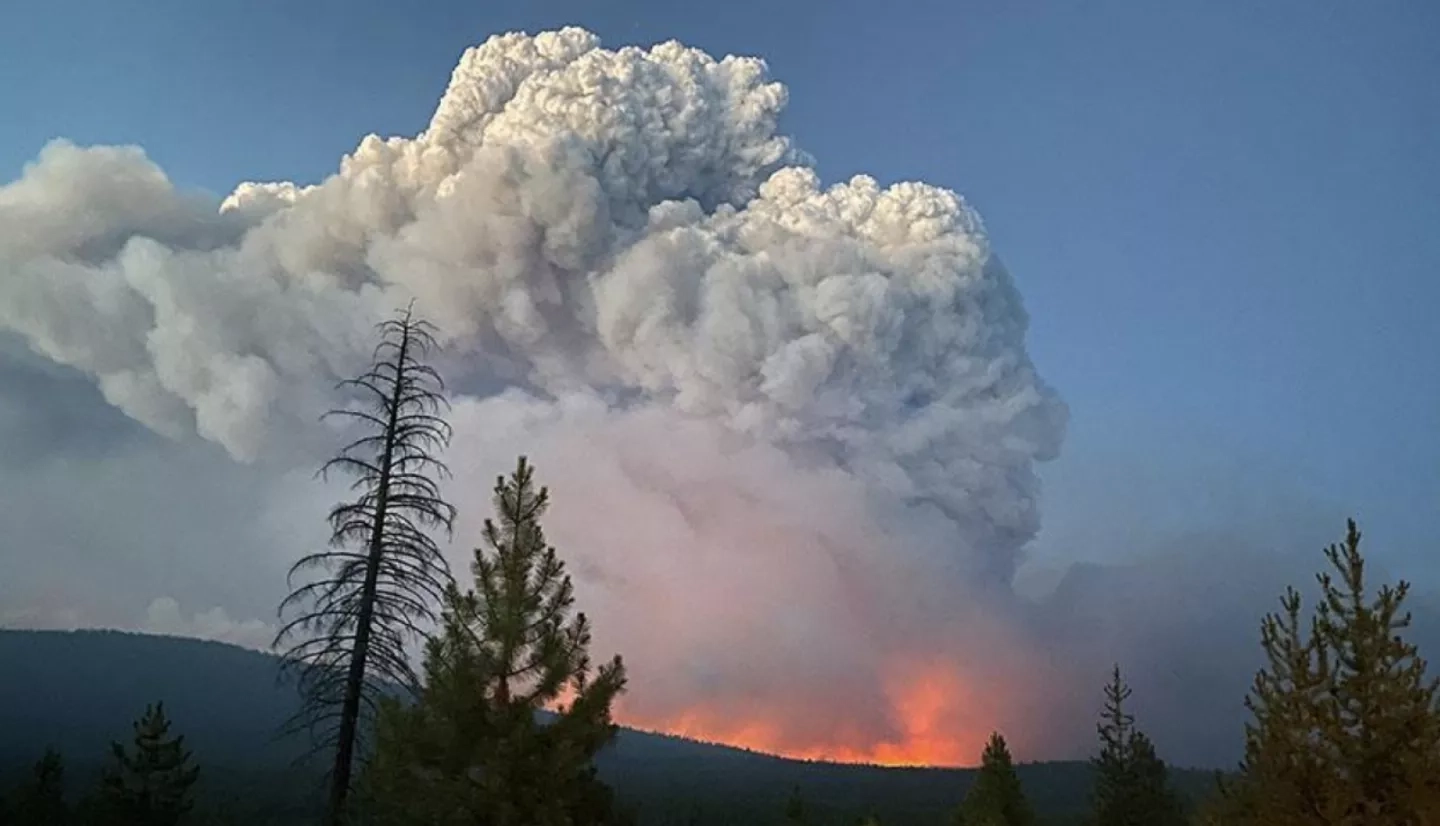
(80, 688)
(508, 722)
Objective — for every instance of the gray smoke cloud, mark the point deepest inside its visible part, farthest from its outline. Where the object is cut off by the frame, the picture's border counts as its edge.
(792, 429)
(627, 222)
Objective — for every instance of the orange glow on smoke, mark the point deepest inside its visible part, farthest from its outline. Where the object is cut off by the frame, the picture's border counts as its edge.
(935, 724)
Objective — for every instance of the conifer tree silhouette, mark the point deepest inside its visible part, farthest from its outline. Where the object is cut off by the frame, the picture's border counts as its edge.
(150, 784)
(383, 577)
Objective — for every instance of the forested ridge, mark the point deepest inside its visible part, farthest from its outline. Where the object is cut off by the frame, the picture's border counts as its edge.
(80, 689)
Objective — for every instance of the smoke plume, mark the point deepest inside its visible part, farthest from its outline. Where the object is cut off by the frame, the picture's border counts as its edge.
(791, 429)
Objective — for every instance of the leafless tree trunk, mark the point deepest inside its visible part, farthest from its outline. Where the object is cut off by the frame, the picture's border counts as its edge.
(383, 577)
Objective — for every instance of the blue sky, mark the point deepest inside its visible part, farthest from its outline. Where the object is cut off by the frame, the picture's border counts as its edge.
(1222, 215)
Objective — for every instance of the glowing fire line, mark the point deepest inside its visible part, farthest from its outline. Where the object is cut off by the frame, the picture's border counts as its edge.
(934, 729)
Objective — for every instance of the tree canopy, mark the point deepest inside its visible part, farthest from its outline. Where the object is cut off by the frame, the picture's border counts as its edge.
(512, 712)
(149, 784)
(1346, 724)
(996, 798)
(1132, 785)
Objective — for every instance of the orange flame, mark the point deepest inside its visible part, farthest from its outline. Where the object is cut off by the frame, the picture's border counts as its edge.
(935, 726)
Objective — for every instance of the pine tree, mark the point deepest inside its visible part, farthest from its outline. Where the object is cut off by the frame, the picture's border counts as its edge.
(41, 801)
(1382, 698)
(151, 785)
(1132, 785)
(1156, 799)
(473, 749)
(1286, 776)
(996, 798)
(1113, 766)
(383, 576)
(1346, 726)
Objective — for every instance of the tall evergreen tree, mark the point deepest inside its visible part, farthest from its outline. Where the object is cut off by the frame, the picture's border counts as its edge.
(996, 798)
(1155, 797)
(1346, 726)
(1132, 786)
(150, 785)
(383, 578)
(41, 800)
(1284, 743)
(1113, 763)
(473, 749)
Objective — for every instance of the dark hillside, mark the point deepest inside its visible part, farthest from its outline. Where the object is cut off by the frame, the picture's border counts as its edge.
(79, 690)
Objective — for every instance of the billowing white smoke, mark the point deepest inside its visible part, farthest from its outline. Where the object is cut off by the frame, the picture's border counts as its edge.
(788, 426)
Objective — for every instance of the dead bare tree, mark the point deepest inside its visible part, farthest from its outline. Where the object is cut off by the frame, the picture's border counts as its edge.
(381, 580)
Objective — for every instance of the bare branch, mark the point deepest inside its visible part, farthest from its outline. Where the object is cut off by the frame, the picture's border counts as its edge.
(347, 629)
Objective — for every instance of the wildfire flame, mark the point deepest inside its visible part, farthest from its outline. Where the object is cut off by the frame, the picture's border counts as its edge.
(933, 710)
